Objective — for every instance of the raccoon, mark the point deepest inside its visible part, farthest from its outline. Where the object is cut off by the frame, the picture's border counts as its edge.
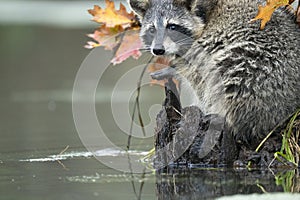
(168, 27)
(250, 77)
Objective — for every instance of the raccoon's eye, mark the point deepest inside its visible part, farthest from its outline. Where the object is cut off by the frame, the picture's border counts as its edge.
(172, 27)
(152, 29)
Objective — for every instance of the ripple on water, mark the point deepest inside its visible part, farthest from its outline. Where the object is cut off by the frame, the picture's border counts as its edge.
(109, 152)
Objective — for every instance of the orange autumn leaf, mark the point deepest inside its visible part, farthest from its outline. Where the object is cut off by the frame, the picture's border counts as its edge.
(113, 32)
(298, 15)
(105, 37)
(265, 12)
(130, 46)
(112, 17)
(118, 31)
(158, 64)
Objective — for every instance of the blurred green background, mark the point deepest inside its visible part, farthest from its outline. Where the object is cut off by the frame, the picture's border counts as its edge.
(40, 53)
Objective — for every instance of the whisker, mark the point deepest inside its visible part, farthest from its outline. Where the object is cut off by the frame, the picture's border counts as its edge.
(145, 50)
(186, 39)
(186, 44)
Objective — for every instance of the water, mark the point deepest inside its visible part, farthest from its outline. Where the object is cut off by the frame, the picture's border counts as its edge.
(76, 174)
(39, 63)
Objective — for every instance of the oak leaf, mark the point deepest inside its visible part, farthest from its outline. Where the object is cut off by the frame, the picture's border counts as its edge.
(265, 12)
(112, 17)
(130, 45)
(118, 31)
(105, 37)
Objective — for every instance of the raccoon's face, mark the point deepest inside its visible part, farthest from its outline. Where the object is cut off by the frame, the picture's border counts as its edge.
(168, 29)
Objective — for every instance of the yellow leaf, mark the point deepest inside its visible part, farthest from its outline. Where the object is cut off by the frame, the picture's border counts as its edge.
(112, 17)
(265, 12)
(118, 31)
(105, 37)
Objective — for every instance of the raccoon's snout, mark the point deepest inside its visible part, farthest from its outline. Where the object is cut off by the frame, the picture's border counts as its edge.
(158, 52)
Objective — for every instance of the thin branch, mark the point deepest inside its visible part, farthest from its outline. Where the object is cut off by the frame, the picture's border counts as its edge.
(63, 151)
(137, 106)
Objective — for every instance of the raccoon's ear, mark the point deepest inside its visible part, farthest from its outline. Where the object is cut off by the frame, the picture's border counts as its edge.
(139, 6)
(187, 3)
(203, 8)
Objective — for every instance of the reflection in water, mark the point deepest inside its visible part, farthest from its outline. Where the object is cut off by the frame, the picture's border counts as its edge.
(184, 183)
(212, 183)
(87, 178)
(109, 152)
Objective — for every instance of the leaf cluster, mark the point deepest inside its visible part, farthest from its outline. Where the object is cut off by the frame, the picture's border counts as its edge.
(118, 31)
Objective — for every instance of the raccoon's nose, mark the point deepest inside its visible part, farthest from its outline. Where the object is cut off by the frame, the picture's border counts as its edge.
(158, 52)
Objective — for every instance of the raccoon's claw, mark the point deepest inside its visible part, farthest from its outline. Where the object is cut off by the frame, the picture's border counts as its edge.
(164, 73)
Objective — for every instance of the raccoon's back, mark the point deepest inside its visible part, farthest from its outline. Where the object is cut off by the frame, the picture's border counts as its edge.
(249, 76)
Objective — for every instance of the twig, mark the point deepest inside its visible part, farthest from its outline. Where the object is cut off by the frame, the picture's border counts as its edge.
(132, 177)
(138, 196)
(262, 188)
(63, 151)
(298, 14)
(269, 135)
(137, 106)
(142, 184)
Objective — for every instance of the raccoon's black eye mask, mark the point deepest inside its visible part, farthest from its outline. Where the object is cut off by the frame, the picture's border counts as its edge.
(181, 29)
(173, 27)
(152, 29)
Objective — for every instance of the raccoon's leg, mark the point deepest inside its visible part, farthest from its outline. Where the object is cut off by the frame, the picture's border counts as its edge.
(164, 73)
(230, 148)
(250, 120)
(170, 72)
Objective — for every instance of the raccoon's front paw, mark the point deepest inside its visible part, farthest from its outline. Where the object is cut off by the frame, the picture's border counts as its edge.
(164, 73)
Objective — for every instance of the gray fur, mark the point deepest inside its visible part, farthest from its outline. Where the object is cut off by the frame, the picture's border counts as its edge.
(248, 76)
(157, 15)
